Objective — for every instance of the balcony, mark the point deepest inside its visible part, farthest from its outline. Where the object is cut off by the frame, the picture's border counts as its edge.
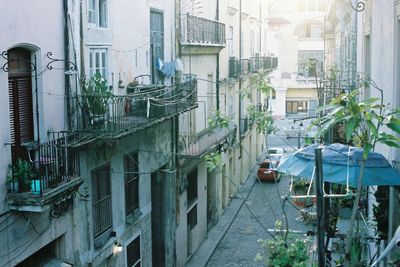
(201, 36)
(123, 115)
(270, 63)
(46, 178)
(196, 146)
(251, 65)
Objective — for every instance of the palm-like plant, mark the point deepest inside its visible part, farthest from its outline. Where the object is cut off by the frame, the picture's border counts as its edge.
(96, 94)
(363, 122)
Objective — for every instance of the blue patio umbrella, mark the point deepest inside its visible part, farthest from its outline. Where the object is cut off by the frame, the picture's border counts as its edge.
(341, 163)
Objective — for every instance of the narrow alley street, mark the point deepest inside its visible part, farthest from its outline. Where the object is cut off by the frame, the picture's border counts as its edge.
(239, 246)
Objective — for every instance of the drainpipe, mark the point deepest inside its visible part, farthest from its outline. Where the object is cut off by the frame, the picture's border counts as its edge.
(259, 39)
(217, 70)
(82, 46)
(66, 55)
(240, 74)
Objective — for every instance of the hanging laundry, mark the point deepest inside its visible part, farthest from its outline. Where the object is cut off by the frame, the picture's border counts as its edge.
(168, 68)
(178, 65)
(159, 64)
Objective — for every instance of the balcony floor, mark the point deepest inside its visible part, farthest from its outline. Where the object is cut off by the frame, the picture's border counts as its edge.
(27, 201)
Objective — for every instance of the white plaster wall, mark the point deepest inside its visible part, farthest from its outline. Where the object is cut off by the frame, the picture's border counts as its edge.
(199, 232)
(383, 54)
(41, 29)
(202, 66)
(131, 36)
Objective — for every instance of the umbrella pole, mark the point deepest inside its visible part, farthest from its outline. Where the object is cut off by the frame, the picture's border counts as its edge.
(320, 207)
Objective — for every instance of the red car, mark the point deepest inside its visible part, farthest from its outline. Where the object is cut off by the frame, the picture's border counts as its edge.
(267, 171)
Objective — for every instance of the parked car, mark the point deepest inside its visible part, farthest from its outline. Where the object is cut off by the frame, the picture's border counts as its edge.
(276, 152)
(267, 171)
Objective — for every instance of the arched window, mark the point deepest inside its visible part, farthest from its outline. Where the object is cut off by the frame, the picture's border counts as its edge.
(20, 101)
(309, 30)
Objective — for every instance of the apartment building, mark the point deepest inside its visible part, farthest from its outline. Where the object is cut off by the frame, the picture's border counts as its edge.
(92, 121)
(295, 35)
(210, 49)
(106, 126)
(36, 216)
(363, 41)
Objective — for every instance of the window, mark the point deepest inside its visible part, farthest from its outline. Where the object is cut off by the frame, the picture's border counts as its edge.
(192, 187)
(210, 95)
(97, 13)
(311, 5)
(192, 218)
(131, 170)
(20, 101)
(294, 107)
(101, 196)
(310, 30)
(133, 257)
(98, 62)
(252, 43)
(156, 44)
(230, 105)
(230, 42)
(310, 62)
(273, 94)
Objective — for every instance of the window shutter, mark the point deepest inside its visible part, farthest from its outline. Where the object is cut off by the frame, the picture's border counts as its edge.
(25, 108)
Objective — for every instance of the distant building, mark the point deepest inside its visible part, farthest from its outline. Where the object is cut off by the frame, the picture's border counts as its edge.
(295, 34)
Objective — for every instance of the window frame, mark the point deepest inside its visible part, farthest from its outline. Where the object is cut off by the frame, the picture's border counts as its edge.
(139, 261)
(96, 195)
(131, 177)
(192, 195)
(98, 14)
(297, 103)
(102, 67)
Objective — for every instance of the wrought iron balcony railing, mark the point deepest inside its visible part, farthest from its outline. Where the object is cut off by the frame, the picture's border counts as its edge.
(253, 64)
(202, 31)
(102, 215)
(45, 171)
(199, 144)
(121, 115)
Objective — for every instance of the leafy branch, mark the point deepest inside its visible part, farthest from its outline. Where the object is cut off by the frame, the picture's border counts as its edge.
(362, 121)
(218, 120)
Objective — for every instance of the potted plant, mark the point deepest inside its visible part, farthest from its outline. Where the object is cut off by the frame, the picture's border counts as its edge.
(345, 207)
(20, 176)
(283, 251)
(96, 95)
(300, 188)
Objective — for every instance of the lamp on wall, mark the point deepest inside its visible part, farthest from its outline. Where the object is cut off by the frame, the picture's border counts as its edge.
(117, 247)
(224, 146)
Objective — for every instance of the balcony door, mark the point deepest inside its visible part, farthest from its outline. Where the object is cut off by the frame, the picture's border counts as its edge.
(20, 101)
(156, 45)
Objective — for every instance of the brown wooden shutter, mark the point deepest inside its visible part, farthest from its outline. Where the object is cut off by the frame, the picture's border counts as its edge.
(20, 101)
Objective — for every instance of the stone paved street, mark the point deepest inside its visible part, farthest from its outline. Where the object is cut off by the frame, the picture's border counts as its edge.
(239, 245)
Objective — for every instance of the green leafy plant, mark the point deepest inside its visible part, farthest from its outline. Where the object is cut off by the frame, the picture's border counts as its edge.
(256, 82)
(362, 122)
(23, 173)
(96, 94)
(300, 185)
(283, 252)
(214, 162)
(263, 121)
(218, 120)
